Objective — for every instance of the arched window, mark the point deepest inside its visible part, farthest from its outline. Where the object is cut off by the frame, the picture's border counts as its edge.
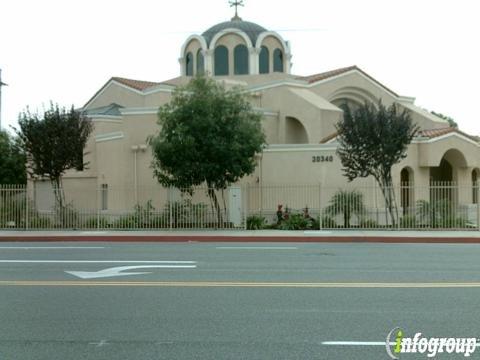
(221, 60)
(189, 64)
(278, 60)
(240, 60)
(406, 191)
(475, 186)
(200, 63)
(264, 60)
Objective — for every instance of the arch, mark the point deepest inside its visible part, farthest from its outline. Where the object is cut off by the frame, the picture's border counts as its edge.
(455, 157)
(406, 190)
(278, 61)
(200, 62)
(264, 61)
(295, 132)
(241, 33)
(221, 61)
(356, 94)
(240, 60)
(274, 34)
(200, 39)
(189, 64)
(475, 187)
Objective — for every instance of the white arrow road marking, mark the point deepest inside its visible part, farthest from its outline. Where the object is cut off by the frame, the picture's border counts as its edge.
(117, 271)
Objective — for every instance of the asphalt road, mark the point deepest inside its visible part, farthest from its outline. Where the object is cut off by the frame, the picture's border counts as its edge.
(231, 301)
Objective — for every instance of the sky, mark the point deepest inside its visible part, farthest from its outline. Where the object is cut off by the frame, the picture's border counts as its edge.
(64, 51)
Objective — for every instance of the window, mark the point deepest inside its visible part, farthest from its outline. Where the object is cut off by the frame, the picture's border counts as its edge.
(189, 64)
(104, 197)
(221, 60)
(240, 57)
(264, 60)
(200, 63)
(278, 60)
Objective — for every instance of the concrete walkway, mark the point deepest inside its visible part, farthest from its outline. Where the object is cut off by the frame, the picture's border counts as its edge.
(250, 236)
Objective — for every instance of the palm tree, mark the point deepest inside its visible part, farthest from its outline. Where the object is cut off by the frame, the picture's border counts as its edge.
(347, 203)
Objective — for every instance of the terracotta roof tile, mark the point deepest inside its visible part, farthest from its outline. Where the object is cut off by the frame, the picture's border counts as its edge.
(136, 84)
(433, 133)
(326, 139)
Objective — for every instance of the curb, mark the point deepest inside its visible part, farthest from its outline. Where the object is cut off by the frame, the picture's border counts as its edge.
(251, 239)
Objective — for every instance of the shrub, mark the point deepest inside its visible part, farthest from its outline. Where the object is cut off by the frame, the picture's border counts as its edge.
(95, 222)
(296, 222)
(439, 214)
(408, 221)
(327, 222)
(368, 224)
(255, 222)
(347, 203)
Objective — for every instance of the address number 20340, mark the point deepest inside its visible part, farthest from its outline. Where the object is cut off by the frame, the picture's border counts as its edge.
(322, 158)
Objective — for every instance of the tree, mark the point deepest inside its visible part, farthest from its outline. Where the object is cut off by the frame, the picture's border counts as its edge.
(12, 160)
(347, 203)
(450, 120)
(209, 135)
(54, 143)
(372, 140)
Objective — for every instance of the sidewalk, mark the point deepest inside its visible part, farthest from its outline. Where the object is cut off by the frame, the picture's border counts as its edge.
(247, 236)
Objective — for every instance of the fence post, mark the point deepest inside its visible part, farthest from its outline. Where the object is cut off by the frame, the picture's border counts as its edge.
(99, 199)
(26, 207)
(320, 215)
(169, 200)
(245, 205)
(477, 189)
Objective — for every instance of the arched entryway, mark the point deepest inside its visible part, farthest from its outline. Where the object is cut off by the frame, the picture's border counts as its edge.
(443, 178)
(407, 201)
(295, 132)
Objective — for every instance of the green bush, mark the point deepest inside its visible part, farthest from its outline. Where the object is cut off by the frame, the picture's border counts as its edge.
(347, 203)
(368, 224)
(101, 222)
(439, 214)
(255, 222)
(327, 222)
(408, 222)
(296, 222)
(40, 222)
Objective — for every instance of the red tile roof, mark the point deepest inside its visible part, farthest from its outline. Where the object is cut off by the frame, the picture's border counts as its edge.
(136, 84)
(328, 74)
(427, 133)
(433, 133)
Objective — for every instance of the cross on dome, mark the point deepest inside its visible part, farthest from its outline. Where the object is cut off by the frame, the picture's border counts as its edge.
(236, 3)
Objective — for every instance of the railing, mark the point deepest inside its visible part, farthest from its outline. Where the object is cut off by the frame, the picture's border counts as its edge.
(439, 205)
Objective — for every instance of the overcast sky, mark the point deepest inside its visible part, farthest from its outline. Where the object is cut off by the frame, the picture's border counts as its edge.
(65, 51)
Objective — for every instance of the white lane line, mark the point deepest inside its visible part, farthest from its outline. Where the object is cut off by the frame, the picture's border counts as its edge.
(356, 343)
(49, 247)
(93, 262)
(256, 248)
(361, 343)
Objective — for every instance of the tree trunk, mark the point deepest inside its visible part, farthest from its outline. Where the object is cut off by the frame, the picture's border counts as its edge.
(213, 197)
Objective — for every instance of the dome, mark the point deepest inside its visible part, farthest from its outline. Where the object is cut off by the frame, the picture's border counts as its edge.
(249, 28)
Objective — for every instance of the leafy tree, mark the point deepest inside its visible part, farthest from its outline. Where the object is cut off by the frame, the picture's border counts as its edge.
(54, 142)
(12, 160)
(450, 120)
(209, 135)
(372, 140)
(347, 203)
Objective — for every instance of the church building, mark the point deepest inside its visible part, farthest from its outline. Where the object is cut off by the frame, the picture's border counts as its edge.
(299, 117)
